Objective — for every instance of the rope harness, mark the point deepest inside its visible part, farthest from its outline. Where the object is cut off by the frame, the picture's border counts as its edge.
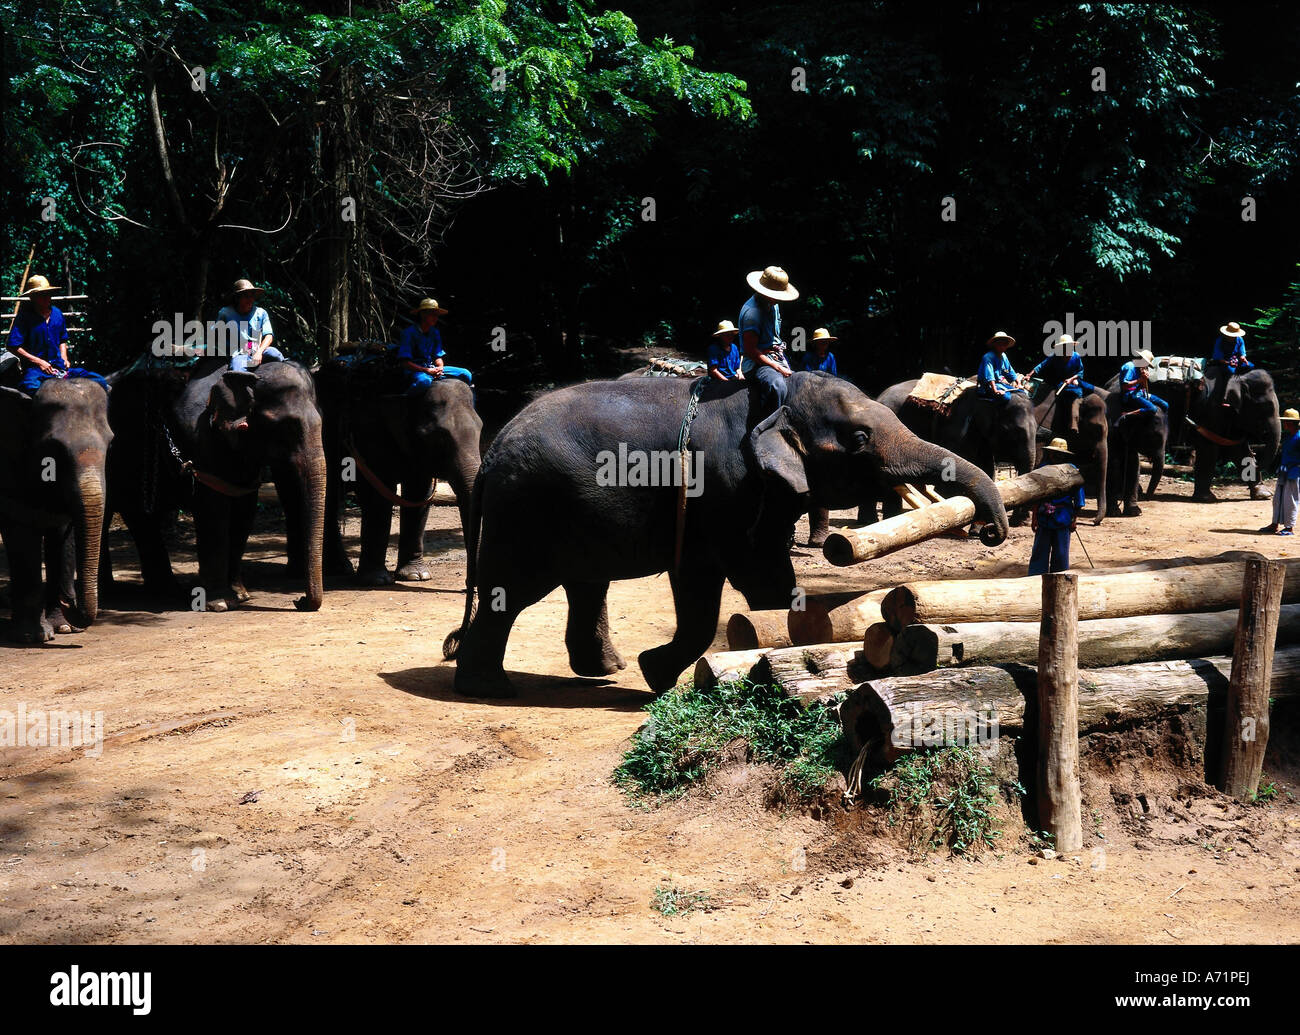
(683, 443)
(210, 480)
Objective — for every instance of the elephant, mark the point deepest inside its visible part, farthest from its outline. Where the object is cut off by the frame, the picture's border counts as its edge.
(224, 426)
(1089, 442)
(53, 450)
(393, 435)
(1226, 431)
(578, 490)
(1139, 434)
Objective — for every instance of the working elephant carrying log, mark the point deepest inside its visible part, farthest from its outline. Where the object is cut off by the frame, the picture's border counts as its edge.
(52, 453)
(200, 440)
(544, 512)
(393, 436)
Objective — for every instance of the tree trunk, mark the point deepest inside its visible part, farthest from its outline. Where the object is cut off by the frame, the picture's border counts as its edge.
(855, 545)
(334, 286)
(899, 713)
(730, 665)
(1102, 642)
(816, 670)
(1058, 712)
(834, 617)
(1186, 590)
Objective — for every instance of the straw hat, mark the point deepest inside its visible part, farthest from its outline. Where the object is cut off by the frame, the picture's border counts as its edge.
(1065, 340)
(38, 285)
(1001, 336)
(1058, 445)
(725, 327)
(1291, 415)
(1143, 358)
(1232, 330)
(773, 282)
(429, 305)
(822, 334)
(242, 286)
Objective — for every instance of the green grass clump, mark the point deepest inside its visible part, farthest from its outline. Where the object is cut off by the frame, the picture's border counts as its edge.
(689, 727)
(945, 797)
(675, 902)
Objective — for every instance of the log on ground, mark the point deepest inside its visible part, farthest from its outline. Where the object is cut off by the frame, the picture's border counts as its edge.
(747, 630)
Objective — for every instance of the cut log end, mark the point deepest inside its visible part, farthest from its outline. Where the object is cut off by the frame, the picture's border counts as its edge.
(751, 629)
(899, 608)
(877, 646)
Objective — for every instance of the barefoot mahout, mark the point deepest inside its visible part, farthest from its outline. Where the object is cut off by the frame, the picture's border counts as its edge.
(52, 453)
(540, 516)
(225, 426)
(394, 434)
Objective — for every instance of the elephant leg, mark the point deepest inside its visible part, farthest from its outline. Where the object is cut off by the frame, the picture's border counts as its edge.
(591, 652)
(1207, 459)
(60, 571)
(336, 560)
(212, 538)
(376, 524)
(290, 492)
(242, 512)
(1157, 472)
(480, 669)
(411, 522)
(23, 548)
(819, 526)
(867, 513)
(155, 565)
(697, 597)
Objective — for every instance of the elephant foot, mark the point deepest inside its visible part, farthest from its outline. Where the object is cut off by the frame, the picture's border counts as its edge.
(57, 621)
(1018, 516)
(1131, 509)
(413, 571)
(660, 666)
(476, 684)
(226, 600)
(1258, 492)
(603, 661)
(1114, 510)
(1204, 497)
(239, 592)
(28, 631)
(818, 538)
(374, 577)
(334, 564)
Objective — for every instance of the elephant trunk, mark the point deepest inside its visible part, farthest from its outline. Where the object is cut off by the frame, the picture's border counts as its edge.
(953, 476)
(312, 469)
(89, 531)
(1272, 447)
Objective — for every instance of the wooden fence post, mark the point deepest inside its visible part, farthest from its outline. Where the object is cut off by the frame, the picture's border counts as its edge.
(1245, 728)
(1059, 807)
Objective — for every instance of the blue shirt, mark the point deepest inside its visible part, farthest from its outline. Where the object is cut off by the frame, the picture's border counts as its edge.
(1289, 466)
(727, 362)
(420, 347)
(1060, 512)
(812, 361)
(251, 328)
(1056, 370)
(40, 337)
(1226, 349)
(1131, 378)
(996, 372)
(765, 323)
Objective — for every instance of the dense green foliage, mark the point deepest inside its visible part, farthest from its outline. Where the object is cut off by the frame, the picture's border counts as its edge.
(500, 156)
(942, 798)
(688, 729)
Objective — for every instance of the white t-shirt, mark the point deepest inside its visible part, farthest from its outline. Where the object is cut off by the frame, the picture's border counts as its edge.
(252, 328)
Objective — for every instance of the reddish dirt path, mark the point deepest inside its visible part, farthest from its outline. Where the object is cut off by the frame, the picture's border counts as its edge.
(388, 809)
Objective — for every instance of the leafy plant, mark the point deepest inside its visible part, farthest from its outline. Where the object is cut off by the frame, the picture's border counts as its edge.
(675, 902)
(946, 797)
(689, 727)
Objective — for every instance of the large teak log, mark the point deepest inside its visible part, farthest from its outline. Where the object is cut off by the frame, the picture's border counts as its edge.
(855, 545)
(749, 629)
(1103, 642)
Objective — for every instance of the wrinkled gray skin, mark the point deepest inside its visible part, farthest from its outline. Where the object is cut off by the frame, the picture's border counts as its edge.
(1089, 444)
(539, 519)
(52, 455)
(1253, 416)
(230, 424)
(1139, 435)
(406, 438)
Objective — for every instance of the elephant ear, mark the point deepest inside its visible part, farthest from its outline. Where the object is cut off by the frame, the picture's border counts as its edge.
(778, 452)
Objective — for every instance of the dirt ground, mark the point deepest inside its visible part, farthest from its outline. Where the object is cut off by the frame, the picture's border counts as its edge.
(270, 776)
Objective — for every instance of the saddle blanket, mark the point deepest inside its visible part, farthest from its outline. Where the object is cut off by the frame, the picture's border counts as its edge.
(939, 391)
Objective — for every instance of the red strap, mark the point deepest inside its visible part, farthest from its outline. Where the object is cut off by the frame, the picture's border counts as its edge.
(1218, 440)
(384, 490)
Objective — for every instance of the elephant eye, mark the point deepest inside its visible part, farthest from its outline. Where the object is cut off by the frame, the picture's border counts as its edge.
(860, 439)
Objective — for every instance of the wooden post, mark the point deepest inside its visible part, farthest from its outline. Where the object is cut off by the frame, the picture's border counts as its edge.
(1059, 809)
(1246, 716)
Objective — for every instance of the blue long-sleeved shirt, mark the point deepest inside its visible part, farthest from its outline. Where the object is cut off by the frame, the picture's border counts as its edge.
(38, 336)
(1228, 350)
(812, 361)
(1289, 465)
(1056, 369)
(996, 374)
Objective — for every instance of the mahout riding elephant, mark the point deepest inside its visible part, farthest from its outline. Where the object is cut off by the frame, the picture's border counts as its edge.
(1140, 434)
(391, 435)
(1225, 432)
(222, 427)
(1089, 442)
(545, 514)
(53, 448)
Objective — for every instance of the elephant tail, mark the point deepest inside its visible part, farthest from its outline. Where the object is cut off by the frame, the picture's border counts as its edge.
(451, 645)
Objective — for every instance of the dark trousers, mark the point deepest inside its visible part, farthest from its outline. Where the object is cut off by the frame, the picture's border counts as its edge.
(1051, 550)
(1147, 404)
(767, 390)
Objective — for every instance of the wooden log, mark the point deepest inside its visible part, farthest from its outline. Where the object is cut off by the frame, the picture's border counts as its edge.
(900, 713)
(855, 545)
(728, 666)
(749, 629)
(815, 670)
(878, 646)
(1059, 796)
(1247, 720)
(844, 617)
(1103, 642)
(1209, 587)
